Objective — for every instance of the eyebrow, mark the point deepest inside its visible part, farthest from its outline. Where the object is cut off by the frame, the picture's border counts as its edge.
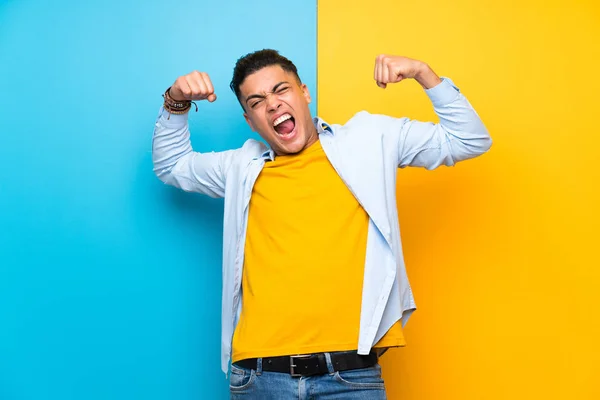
(260, 96)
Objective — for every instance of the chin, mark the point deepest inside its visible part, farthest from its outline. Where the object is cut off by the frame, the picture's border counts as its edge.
(293, 147)
(296, 147)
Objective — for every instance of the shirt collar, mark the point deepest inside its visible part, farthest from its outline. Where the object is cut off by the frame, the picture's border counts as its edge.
(268, 155)
(322, 126)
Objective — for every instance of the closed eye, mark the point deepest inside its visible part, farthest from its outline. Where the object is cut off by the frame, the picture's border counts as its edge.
(254, 104)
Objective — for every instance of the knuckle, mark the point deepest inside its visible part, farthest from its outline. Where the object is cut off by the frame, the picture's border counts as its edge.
(206, 77)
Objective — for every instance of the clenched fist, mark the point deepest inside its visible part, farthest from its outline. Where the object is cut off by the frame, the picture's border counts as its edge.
(393, 69)
(193, 86)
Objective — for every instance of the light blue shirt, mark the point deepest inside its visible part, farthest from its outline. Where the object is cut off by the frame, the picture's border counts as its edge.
(366, 152)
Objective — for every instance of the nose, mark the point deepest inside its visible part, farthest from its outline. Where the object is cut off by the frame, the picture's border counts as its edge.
(273, 102)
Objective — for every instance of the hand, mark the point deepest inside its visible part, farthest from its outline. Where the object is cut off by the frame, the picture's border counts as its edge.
(193, 86)
(393, 69)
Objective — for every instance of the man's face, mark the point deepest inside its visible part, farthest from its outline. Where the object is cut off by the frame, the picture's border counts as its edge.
(276, 106)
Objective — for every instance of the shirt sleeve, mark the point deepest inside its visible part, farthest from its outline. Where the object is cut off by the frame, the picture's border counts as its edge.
(459, 135)
(176, 164)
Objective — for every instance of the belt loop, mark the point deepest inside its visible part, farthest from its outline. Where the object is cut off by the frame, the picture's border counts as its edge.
(329, 363)
(259, 366)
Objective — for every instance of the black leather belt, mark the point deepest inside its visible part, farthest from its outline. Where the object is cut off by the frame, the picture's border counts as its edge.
(312, 364)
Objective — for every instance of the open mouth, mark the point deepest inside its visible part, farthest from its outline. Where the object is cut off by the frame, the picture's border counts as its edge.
(284, 125)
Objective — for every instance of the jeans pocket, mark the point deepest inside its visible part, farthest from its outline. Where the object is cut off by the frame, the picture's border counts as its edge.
(364, 378)
(241, 379)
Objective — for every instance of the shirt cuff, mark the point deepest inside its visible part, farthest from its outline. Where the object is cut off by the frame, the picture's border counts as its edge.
(443, 93)
(173, 121)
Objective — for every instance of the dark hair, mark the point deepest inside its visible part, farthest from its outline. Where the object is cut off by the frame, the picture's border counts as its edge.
(252, 62)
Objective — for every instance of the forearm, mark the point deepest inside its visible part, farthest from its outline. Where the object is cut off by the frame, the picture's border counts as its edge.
(170, 142)
(464, 132)
(176, 164)
(426, 77)
(459, 135)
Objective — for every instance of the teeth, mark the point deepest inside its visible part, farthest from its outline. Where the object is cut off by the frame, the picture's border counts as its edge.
(279, 120)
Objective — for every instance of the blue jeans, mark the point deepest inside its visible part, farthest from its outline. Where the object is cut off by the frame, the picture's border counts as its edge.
(357, 384)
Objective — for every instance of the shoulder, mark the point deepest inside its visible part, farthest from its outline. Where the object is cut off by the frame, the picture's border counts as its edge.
(254, 148)
(367, 118)
(249, 150)
(364, 121)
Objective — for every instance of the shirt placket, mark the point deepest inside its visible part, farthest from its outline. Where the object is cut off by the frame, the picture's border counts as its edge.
(254, 169)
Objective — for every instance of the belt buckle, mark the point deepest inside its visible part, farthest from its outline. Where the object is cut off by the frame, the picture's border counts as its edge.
(292, 365)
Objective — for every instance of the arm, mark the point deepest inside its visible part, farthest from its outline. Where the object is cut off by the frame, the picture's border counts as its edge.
(175, 163)
(460, 134)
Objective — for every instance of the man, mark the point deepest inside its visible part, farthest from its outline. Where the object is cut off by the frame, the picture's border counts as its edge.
(314, 282)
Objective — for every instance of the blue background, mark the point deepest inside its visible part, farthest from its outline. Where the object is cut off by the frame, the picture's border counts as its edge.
(110, 281)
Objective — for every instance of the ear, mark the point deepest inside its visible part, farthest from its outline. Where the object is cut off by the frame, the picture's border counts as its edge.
(305, 92)
(249, 122)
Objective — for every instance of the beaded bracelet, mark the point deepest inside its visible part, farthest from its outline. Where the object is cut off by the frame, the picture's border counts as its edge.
(176, 107)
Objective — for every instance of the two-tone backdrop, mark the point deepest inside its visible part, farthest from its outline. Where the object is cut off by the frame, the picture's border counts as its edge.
(110, 281)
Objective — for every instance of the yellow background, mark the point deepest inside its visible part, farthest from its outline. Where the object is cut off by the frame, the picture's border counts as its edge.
(501, 250)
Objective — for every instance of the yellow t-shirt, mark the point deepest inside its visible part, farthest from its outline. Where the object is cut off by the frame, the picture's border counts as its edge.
(304, 262)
